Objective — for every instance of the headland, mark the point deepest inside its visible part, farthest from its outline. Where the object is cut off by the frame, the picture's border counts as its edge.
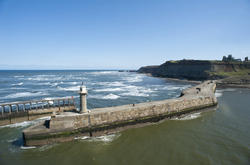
(228, 73)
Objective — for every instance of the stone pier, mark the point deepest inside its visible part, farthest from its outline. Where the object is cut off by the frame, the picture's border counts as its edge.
(112, 119)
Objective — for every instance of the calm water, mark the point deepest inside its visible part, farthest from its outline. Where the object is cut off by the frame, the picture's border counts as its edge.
(219, 136)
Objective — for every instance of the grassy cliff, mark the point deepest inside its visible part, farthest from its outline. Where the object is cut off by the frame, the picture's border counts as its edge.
(198, 69)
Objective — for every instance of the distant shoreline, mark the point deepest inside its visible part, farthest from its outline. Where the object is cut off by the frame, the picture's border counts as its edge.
(226, 74)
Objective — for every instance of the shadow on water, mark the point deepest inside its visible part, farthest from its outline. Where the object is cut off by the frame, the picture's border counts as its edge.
(18, 142)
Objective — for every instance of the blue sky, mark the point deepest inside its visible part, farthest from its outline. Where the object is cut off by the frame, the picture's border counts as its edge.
(119, 34)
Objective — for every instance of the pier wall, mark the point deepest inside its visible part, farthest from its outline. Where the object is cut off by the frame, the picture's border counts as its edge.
(108, 120)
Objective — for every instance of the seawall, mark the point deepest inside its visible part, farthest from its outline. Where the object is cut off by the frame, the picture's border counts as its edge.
(112, 119)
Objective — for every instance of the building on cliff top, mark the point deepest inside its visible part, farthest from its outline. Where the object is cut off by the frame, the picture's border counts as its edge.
(230, 58)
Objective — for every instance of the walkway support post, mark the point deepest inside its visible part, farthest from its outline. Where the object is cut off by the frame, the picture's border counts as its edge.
(83, 99)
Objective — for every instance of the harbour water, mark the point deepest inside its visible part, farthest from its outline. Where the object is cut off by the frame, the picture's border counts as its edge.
(218, 136)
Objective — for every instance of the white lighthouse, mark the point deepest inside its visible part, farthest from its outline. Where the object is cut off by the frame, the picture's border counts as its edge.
(83, 99)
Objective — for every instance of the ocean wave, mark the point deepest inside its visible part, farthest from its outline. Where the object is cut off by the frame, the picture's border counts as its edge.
(189, 116)
(105, 138)
(132, 79)
(175, 87)
(109, 84)
(137, 91)
(44, 83)
(109, 90)
(45, 78)
(16, 88)
(18, 84)
(111, 96)
(72, 83)
(218, 94)
(71, 88)
(27, 147)
(106, 97)
(56, 84)
(24, 94)
(11, 140)
(103, 72)
(18, 76)
(227, 90)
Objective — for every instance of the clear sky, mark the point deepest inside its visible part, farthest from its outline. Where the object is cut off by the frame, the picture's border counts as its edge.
(119, 34)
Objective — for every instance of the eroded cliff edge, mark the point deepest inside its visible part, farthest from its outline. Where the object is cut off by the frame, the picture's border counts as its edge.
(232, 72)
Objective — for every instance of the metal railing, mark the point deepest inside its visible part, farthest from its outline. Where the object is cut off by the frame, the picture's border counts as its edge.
(24, 106)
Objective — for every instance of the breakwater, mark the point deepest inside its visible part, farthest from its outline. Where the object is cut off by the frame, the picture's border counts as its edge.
(100, 121)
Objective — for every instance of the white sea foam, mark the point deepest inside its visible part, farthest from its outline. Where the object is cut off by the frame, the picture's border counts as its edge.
(105, 138)
(111, 96)
(106, 97)
(18, 76)
(50, 98)
(82, 137)
(189, 116)
(44, 83)
(110, 84)
(24, 94)
(227, 90)
(109, 90)
(16, 88)
(25, 123)
(135, 78)
(137, 91)
(177, 87)
(103, 72)
(71, 88)
(45, 78)
(73, 83)
(11, 140)
(18, 84)
(27, 148)
(218, 94)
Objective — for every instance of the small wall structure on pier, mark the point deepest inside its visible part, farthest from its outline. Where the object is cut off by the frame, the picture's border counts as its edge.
(112, 119)
(15, 112)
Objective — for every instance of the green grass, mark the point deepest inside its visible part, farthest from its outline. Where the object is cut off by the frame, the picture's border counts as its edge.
(242, 72)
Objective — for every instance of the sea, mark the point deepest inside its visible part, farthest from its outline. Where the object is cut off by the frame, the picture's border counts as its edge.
(219, 135)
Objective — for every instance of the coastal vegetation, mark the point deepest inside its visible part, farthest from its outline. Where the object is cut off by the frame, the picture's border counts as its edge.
(227, 69)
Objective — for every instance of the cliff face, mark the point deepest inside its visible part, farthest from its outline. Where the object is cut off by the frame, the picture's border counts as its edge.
(197, 70)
